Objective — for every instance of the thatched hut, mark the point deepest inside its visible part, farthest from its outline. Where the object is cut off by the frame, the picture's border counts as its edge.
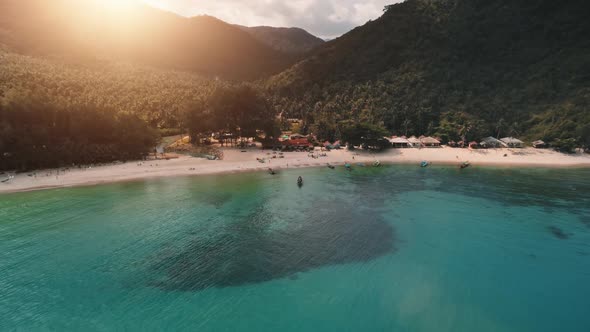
(491, 143)
(399, 142)
(430, 142)
(415, 142)
(539, 144)
(512, 142)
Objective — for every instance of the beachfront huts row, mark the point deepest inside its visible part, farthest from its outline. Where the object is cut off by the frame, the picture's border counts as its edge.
(403, 142)
(486, 143)
(506, 142)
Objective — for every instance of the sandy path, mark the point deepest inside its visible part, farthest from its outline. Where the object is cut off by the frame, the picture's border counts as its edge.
(236, 161)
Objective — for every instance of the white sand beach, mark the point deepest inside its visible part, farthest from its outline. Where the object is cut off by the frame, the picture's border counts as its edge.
(237, 161)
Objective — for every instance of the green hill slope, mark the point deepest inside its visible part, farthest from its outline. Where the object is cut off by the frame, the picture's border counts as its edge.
(509, 66)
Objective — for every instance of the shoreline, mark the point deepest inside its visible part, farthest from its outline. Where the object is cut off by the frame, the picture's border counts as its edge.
(236, 162)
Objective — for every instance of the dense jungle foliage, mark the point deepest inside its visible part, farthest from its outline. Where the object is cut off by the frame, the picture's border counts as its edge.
(54, 113)
(452, 68)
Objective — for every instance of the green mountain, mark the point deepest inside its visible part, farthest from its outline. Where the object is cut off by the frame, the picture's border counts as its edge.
(136, 33)
(287, 40)
(454, 68)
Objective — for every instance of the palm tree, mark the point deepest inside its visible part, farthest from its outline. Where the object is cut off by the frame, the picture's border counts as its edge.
(464, 131)
(499, 126)
(513, 129)
(406, 124)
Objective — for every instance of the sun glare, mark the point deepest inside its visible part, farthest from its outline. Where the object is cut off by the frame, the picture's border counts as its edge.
(118, 5)
(157, 4)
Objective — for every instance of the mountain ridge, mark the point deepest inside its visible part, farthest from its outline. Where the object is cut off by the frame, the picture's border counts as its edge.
(291, 40)
(143, 34)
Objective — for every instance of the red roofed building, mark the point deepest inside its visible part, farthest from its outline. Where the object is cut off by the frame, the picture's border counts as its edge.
(298, 143)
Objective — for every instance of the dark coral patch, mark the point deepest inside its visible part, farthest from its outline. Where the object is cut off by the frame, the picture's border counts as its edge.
(558, 233)
(249, 252)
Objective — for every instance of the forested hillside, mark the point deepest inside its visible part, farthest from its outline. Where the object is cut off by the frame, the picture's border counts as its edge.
(452, 68)
(56, 113)
(156, 96)
(288, 40)
(130, 31)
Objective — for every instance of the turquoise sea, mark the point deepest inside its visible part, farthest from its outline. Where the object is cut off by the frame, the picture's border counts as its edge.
(390, 249)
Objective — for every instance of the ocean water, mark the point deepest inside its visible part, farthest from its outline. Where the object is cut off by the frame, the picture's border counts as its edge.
(389, 249)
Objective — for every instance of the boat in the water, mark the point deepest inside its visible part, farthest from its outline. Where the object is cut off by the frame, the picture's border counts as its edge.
(424, 164)
(300, 182)
(361, 165)
(377, 163)
(465, 165)
(348, 166)
(271, 171)
(330, 166)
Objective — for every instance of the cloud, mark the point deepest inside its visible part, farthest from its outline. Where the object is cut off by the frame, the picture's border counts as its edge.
(324, 18)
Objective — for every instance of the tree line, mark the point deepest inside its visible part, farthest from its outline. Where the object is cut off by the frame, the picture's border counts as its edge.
(238, 111)
(35, 134)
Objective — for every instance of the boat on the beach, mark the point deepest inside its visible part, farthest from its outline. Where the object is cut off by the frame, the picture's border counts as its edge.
(10, 177)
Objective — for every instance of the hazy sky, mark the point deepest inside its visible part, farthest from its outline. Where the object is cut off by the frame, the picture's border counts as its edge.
(324, 18)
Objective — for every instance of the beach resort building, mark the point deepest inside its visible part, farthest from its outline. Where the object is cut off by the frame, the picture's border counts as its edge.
(399, 142)
(297, 136)
(430, 142)
(491, 143)
(539, 144)
(297, 143)
(512, 142)
(415, 142)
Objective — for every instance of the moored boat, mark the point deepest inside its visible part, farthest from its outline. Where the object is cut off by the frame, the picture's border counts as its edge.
(300, 182)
